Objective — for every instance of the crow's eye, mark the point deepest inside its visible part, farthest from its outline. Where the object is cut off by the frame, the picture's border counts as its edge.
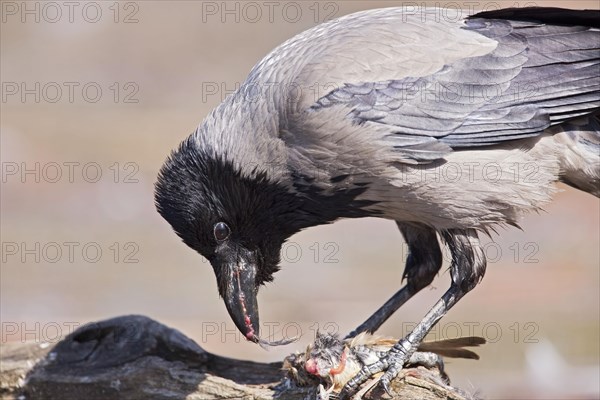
(221, 231)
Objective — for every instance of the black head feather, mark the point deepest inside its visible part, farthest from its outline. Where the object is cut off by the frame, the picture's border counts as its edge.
(198, 188)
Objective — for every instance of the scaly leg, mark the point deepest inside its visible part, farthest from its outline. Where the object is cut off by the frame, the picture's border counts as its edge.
(467, 269)
(422, 264)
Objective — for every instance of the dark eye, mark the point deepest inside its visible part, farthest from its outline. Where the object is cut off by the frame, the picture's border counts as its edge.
(221, 231)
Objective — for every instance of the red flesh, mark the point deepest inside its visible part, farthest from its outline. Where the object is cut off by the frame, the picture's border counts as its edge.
(341, 365)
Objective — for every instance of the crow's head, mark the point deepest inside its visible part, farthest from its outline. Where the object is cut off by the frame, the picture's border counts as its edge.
(233, 198)
(233, 215)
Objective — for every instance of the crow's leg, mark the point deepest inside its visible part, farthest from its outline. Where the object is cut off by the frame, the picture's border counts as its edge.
(467, 269)
(422, 264)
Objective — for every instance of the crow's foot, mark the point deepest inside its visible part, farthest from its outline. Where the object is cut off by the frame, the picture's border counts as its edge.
(390, 364)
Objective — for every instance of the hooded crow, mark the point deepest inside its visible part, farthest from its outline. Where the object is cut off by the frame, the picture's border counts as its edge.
(448, 127)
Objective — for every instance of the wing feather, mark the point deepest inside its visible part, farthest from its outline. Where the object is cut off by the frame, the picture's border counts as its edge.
(538, 75)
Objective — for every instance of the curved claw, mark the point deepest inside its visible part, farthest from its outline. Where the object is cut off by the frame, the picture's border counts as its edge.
(396, 365)
(385, 381)
(385, 385)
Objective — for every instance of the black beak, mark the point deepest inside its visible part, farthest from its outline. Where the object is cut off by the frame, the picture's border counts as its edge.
(240, 296)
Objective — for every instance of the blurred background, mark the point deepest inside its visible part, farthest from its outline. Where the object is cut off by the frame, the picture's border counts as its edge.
(95, 95)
